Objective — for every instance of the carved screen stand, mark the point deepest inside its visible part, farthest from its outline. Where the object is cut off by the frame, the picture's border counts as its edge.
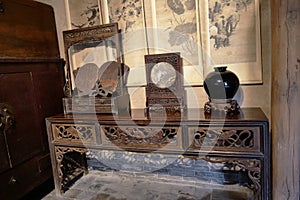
(95, 79)
(164, 90)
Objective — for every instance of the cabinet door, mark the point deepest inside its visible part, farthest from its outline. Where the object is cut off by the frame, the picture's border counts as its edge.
(24, 141)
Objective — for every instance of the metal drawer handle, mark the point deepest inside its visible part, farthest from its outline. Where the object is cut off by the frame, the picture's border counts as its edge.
(7, 119)
(12, 181)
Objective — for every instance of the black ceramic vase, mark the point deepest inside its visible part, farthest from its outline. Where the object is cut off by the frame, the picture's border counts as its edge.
(221, 84)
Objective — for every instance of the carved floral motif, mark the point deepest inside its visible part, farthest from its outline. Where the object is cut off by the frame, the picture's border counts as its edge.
(152, 88)
(91, 33)
(165, 101)
(85, 133)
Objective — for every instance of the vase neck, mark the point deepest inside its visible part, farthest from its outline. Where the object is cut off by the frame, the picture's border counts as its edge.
(220, 69)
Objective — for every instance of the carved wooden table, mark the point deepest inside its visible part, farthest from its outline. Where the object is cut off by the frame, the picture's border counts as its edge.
(237, 146)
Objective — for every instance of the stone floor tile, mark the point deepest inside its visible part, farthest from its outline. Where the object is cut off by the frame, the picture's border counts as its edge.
(113, 186)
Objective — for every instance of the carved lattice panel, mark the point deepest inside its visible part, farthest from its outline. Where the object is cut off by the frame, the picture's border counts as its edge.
(71, 163)
(237, 139)
(249, 168)
(142, 138)
(83, 134)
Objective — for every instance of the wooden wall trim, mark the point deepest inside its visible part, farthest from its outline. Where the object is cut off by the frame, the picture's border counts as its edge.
(285, 109)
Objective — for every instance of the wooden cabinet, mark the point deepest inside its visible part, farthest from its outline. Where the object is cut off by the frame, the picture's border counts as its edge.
(223, 149)
(31, 88)
(27, 30)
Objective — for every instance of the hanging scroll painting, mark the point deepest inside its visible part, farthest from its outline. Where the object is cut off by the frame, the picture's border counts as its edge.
(130, 17)
(230, 32)
(82, 13)
(175, 28)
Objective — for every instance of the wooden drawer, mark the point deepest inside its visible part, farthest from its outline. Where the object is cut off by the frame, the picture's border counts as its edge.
(137, 138)
(25, 177)
(84, 134)
(224, 139)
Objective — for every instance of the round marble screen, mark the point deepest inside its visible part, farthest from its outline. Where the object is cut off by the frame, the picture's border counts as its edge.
(163, 75)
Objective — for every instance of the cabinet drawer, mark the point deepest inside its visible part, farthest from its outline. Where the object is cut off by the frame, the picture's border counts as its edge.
(23, 178)
(75, 133)
(225, 139)
(142, 138)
